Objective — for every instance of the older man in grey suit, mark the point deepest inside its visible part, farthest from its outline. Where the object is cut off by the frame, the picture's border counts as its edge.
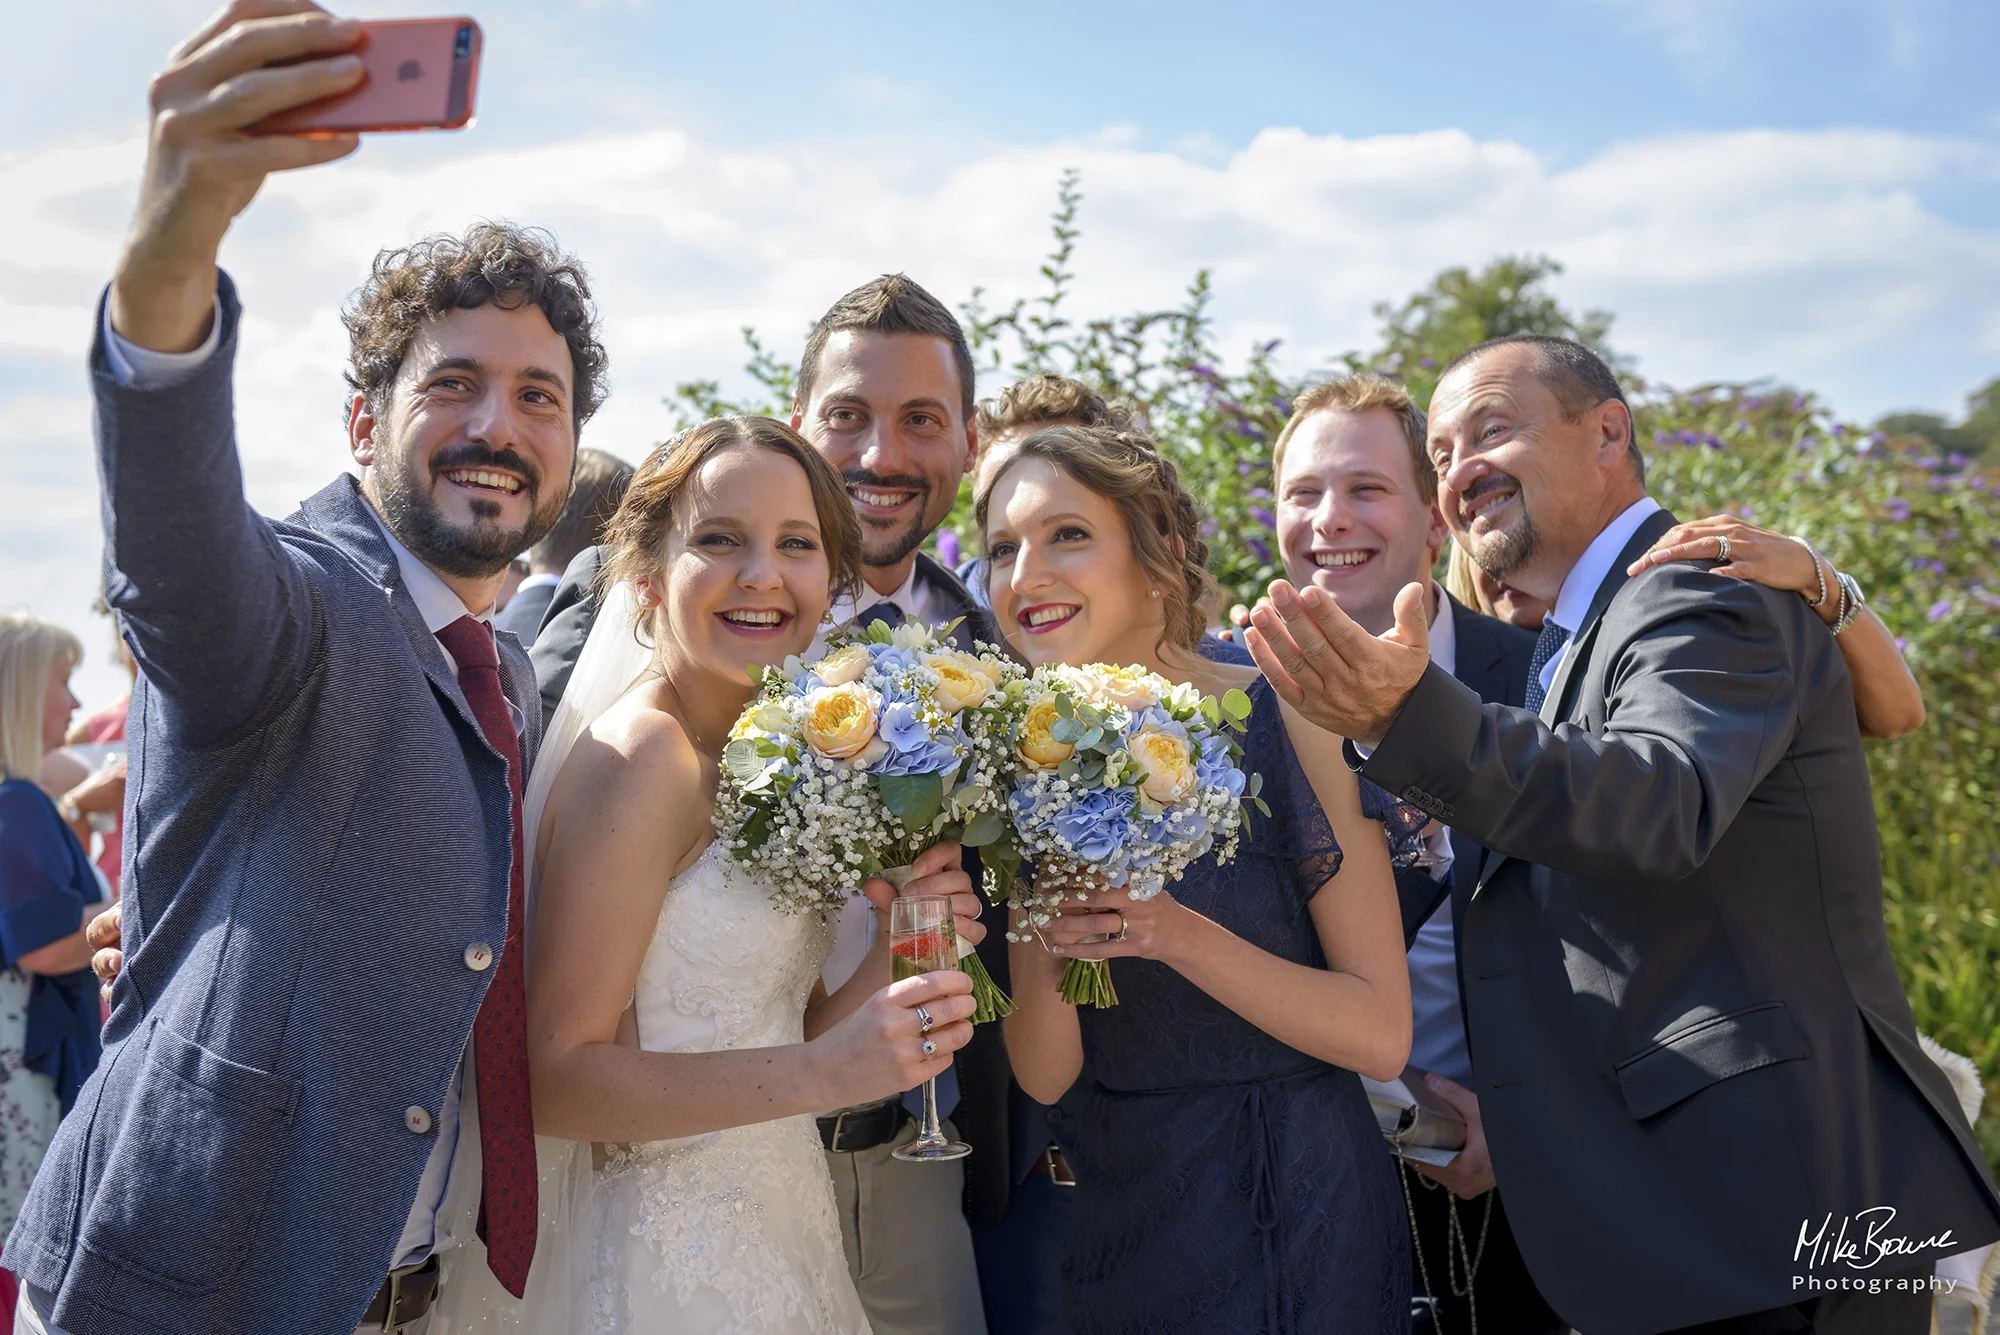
(1700, 1082)
(315, 1072)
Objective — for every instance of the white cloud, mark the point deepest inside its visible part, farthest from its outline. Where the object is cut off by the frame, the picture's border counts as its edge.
(1725, 255)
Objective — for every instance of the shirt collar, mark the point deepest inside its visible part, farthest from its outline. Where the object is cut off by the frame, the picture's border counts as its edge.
(905, 598)
(542, 581)
(1444, 634)
(435, 601)
(1582, 582)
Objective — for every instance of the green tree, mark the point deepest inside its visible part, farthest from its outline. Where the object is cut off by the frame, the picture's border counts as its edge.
(1461, 309)
(1977, 438)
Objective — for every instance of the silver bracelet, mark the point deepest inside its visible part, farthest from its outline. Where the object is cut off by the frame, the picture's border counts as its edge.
(1819, 573)
(1850, 601)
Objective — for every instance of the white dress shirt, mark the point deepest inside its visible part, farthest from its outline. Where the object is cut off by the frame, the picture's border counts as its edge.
(142, 368)
(1589, 572)
(1437, 1021)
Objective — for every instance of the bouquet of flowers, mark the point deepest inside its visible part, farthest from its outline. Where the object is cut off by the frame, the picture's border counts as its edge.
(1122, 779)
(851, 766)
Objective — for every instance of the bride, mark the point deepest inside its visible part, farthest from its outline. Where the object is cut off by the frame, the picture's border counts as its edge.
(679, 1038)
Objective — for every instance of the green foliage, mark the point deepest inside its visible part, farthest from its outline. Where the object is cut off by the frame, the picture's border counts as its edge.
(1895, 508)
(1461, 309)
(1976, 439)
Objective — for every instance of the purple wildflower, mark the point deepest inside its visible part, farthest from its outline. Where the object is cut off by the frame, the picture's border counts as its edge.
(1263, 516)
(1244, 468)
(1929, 463)
(1260, 551)
(947, 548)
(1955, 459)
(1902, 645)
(1260, 493)
(1898, 508)
(1428, 363)
(1939, 610)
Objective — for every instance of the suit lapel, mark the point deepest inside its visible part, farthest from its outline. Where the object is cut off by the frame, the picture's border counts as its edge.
(1555, 706)
(974, 623)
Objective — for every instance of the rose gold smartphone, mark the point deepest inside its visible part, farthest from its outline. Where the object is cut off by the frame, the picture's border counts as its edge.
(419, 74)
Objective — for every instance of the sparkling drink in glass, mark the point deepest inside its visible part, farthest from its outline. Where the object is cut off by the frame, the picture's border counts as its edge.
(921, 940)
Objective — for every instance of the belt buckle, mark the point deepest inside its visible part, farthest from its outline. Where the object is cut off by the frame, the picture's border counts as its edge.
(392, 1320)
(839, 1120)
(1059, 1169)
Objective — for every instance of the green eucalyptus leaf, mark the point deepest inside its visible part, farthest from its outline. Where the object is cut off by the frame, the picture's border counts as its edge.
(983, 829)
(1236, 704)
(915, 799)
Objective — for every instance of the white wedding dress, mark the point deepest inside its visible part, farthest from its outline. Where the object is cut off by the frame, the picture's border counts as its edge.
(729, 1233)
(733, 1231)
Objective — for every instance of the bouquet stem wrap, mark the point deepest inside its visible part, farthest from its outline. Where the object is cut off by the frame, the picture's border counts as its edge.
(989, 1002)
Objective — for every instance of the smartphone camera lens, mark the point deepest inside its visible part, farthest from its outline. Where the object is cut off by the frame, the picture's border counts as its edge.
(463, 49)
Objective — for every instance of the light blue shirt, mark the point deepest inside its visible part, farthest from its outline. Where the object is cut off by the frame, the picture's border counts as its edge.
(1585, 577)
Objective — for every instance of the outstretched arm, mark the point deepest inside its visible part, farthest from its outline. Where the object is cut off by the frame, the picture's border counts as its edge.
(1702, 702)
(216, 617)
(1887, 701)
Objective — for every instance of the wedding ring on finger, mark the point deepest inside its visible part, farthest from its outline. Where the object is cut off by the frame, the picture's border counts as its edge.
(923, 1020)
(930, 1048)
(1722, 547)
(1119, 935)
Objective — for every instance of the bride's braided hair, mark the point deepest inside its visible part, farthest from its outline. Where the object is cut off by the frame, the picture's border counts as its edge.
(1127, 469)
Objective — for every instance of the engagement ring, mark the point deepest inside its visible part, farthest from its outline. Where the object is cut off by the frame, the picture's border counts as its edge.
(930, 1048)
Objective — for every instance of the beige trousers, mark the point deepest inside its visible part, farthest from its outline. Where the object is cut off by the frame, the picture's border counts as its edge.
(908, 1246)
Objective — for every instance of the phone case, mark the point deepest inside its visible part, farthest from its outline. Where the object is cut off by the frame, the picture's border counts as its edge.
(421, 74)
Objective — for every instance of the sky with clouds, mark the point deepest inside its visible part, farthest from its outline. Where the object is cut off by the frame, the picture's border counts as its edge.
(1805, 189)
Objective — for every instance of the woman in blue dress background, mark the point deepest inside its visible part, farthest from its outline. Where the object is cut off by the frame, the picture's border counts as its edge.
(1231, 1174)
(48, 891)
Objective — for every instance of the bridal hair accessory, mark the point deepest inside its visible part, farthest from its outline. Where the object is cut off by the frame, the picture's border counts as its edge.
(852, 765)
(1122, 779)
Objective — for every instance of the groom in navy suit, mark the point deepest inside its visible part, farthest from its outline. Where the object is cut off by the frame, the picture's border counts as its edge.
(1356, 504)
(314, 1082)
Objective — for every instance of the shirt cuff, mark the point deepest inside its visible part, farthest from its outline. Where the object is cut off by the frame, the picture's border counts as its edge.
(135, 367)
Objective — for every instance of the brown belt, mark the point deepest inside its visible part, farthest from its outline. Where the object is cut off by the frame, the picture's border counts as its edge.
(405, 1296)
(1054, 1167)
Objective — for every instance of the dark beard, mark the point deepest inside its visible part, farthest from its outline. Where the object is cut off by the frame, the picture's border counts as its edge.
(410, 511)
(1504, 551)
(900, 545)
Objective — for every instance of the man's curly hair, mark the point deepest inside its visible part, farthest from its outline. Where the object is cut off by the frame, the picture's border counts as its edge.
(499, 262)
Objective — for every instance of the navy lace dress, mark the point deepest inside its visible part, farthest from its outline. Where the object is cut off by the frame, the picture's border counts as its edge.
(1230, 1183)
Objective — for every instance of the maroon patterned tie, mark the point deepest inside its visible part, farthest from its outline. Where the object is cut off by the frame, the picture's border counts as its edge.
(507, 1204)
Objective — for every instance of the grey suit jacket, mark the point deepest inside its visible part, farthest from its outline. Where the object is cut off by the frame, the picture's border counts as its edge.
(315, 830)
(1688, 1036)
(523, 616)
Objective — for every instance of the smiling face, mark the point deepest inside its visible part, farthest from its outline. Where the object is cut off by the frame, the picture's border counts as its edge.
(743, 575)
(1067, 586)
(1523, 488)
(469, 462)
(885, 412)
(1351, 516)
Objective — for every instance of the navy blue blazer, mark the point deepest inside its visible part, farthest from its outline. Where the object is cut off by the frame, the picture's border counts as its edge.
(315, 831)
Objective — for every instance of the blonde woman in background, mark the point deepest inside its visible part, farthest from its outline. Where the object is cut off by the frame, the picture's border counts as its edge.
(48, 891)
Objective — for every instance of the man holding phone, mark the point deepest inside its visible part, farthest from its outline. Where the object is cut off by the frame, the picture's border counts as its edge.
(315, 1072)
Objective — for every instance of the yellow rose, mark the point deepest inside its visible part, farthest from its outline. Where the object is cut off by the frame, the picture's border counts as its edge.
(1167, 761)
(962, 681)
(1130, 687)
(840, 720)
(843, 665)
(1038, 750)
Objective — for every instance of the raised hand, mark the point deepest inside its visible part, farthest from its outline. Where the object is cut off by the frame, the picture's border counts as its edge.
(879, 1049)
(203, 166)
(1332, 671)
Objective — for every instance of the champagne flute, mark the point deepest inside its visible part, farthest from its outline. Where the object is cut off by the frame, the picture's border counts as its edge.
(921, 940)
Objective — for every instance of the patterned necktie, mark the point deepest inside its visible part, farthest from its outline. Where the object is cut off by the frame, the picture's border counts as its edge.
(508, 1208)
(885, 613)
(1547, 645)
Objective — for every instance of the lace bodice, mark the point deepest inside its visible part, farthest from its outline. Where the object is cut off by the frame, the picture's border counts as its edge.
(726, 969)
(732, 1232)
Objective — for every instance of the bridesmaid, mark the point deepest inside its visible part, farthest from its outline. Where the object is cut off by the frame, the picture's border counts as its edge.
(1233, 1176)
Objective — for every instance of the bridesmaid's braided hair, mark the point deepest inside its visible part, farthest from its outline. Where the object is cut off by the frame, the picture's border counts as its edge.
(1127, 469)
